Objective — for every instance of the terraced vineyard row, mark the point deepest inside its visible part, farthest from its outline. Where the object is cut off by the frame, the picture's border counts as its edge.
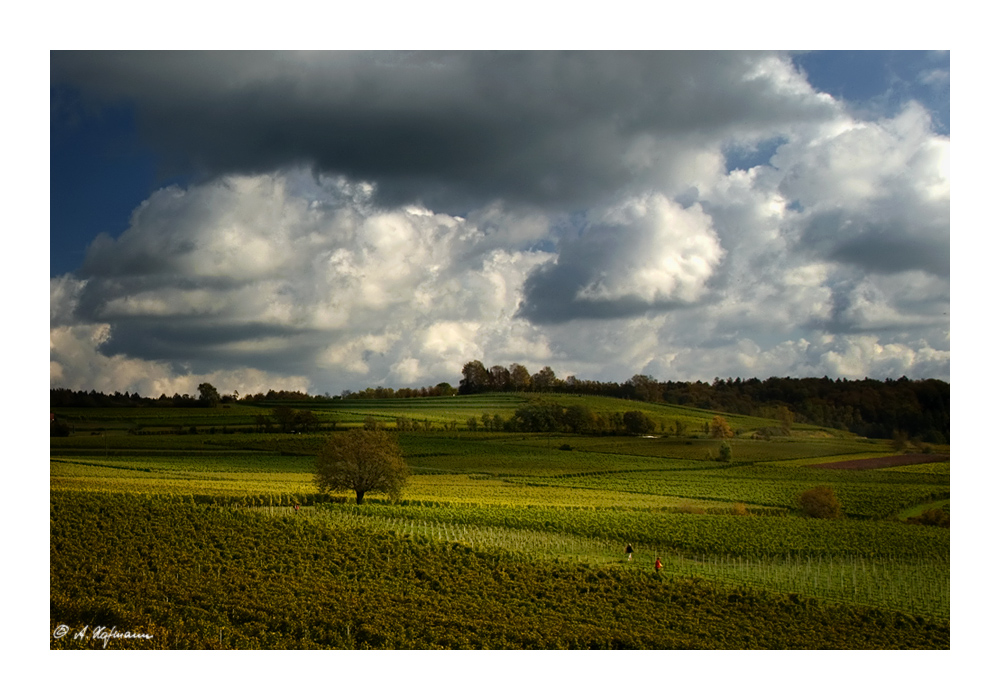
(698, 534)
(869, 500)
(919, 584)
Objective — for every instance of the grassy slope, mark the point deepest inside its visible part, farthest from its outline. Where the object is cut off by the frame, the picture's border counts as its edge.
(439, 410)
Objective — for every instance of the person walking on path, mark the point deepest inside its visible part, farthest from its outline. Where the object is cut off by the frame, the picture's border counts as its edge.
(628, 551)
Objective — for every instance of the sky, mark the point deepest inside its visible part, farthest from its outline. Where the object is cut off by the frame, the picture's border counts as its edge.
(330, 221)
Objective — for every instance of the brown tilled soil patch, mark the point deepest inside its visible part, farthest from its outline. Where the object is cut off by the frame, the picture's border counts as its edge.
(881, 462)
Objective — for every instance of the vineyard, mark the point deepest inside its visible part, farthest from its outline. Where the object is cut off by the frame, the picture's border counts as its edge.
(218, 538)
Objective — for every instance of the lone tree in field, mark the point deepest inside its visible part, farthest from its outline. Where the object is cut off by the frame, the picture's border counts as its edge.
(820, 502)
(361, 461)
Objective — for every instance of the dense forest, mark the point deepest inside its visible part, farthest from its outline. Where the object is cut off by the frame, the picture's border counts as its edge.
(872, 408)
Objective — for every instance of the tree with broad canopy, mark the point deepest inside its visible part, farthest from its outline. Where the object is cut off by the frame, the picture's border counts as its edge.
(361, 461)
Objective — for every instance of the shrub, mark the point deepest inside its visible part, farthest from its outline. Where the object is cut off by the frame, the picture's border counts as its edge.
(820, 502)
(725, 452)
(899, 440)
(934, 516)
(691, 510)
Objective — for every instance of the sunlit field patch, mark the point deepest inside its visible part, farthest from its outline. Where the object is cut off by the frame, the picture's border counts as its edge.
(465, 489)
(136, 479)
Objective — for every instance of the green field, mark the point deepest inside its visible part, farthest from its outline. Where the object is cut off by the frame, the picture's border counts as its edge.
(492, 529)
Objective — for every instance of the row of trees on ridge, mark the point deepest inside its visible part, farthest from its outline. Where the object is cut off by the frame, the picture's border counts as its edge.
(869, 407)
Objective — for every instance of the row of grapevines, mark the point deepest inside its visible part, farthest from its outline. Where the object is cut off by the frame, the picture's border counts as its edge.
(192, 576)
(732, 534)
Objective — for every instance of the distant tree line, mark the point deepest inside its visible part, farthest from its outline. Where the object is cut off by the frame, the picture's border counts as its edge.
(381, 392)
(543, 416)
(207, 396)
(287, 420)
(919, 409)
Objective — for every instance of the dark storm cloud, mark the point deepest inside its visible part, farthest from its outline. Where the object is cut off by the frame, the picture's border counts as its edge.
(177, 331)
(201, 347)
(884, 250)
(157, 267)
(647, 254)
(206, 343)
(551, 297)
(882, 245)
(92, 306)
(453, 130)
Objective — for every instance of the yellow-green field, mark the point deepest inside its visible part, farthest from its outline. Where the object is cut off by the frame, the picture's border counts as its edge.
(530, 500)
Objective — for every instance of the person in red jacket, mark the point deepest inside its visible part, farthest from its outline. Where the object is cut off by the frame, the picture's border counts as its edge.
(658, 565)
